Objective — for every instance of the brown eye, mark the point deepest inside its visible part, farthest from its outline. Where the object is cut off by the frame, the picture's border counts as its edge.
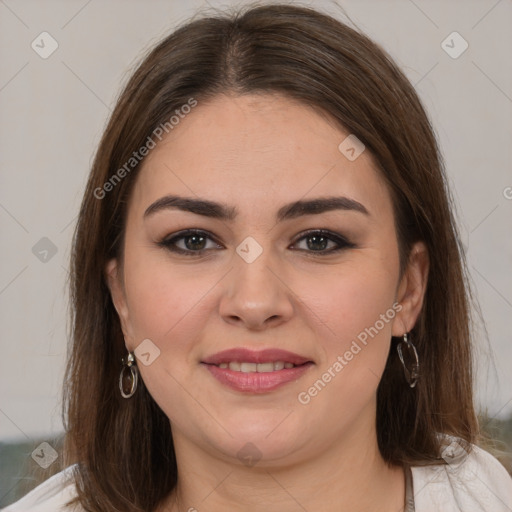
(189, 242)
(323, 242)
(195, 242)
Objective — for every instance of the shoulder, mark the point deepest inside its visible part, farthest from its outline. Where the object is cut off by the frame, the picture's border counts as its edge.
(468, 480)
(50, 496)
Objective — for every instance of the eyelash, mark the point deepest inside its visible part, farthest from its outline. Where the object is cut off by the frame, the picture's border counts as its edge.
(169, 242)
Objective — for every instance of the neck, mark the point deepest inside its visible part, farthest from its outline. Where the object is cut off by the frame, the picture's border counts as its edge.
(348, 476)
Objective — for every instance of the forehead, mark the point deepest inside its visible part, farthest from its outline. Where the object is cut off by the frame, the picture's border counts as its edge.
(257, 150)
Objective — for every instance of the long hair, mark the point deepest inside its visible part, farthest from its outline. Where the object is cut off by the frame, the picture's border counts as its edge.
(124, 448)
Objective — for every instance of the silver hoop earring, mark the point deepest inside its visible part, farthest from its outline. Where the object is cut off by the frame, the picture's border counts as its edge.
(128, 379)
(412, 366)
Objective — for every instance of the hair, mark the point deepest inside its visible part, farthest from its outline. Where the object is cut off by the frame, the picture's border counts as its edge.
(124, 448)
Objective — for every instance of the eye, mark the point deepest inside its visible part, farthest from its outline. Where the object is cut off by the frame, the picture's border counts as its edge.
(318, 241)
(193, 242)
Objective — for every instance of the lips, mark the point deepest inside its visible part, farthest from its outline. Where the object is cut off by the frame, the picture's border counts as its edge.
(243, 355)
(239, 369)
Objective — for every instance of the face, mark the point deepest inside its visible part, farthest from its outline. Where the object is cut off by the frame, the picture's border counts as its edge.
(261, 272)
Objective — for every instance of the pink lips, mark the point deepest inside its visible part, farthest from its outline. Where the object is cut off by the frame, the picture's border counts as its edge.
(255, 382)
(253, 356)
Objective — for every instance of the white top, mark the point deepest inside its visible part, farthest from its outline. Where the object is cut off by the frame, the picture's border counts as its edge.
(467, 483)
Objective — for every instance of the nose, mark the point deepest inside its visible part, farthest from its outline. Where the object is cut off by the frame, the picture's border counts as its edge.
(256, 294)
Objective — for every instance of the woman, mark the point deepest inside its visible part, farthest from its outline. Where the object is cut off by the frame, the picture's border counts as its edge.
(270, 303)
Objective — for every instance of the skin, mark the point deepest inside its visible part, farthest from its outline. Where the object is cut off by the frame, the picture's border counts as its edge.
(257, 153)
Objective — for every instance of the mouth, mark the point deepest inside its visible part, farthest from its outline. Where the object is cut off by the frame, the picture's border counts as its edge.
(256, 371)
(247, 356)
(246, 367)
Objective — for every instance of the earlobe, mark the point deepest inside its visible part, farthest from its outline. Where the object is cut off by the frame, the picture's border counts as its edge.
(412, 289)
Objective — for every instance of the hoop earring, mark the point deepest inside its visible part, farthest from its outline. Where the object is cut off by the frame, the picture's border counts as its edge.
(128, 380)
(412, 368)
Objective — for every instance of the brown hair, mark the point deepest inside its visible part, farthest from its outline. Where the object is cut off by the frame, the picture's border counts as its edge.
(124, 448)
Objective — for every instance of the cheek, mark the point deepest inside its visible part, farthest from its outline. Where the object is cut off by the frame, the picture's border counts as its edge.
(165, 302)
(348, 300)
(168, 306)
(356, 308)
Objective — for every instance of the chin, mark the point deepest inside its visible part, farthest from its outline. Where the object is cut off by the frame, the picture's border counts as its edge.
(261, 442)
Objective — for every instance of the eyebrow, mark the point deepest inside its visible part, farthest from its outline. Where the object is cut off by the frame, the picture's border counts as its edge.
(228, 213)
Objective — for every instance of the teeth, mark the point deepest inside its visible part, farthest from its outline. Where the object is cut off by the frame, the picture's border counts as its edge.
(256, 367)
(264, 367)
(247, 367)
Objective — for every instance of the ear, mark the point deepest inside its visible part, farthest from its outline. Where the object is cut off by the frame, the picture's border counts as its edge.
(411, 290)
(114, 278)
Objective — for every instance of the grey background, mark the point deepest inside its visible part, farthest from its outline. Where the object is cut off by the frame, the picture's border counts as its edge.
(53, 111)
